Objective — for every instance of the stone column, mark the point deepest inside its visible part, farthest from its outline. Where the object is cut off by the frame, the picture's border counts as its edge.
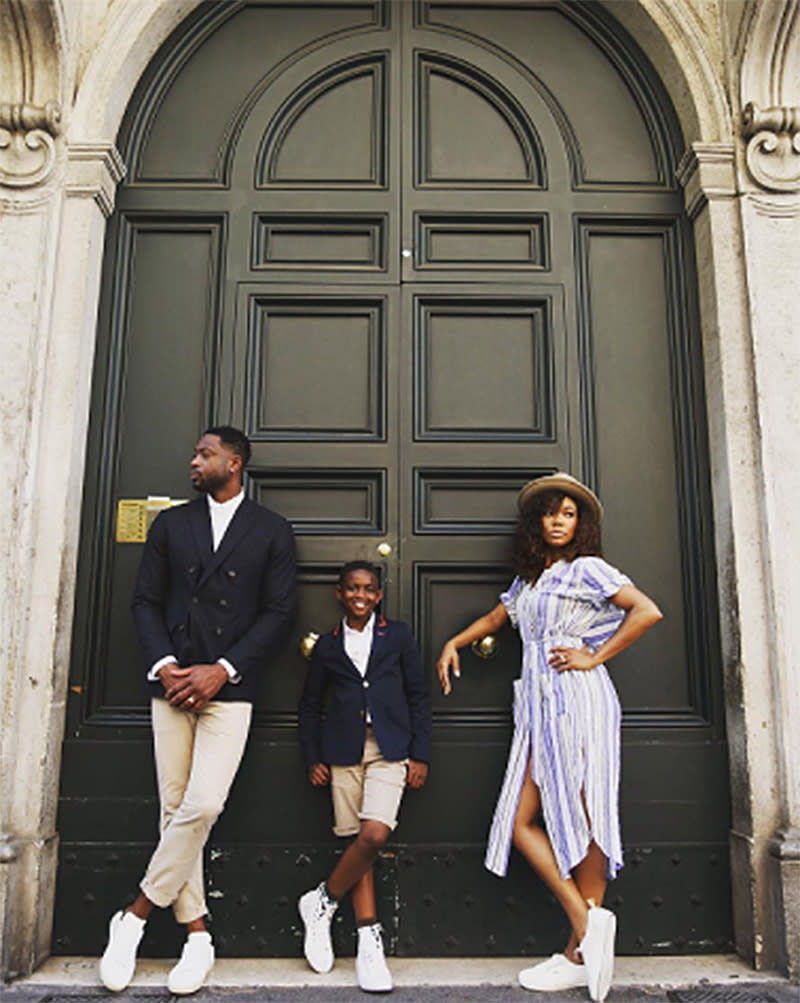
(51, 243)
(771, 223)
(745, 585)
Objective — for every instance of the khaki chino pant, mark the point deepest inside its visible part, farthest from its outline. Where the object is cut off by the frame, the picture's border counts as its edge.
(197, 756)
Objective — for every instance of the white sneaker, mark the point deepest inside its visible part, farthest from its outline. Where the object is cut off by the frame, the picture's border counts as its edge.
(371, 969)
(316, 911)
(118, 963)
(558, 972)
(597, 951)
(196, 961)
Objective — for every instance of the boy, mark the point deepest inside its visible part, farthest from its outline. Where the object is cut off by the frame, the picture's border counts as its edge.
(374, 738)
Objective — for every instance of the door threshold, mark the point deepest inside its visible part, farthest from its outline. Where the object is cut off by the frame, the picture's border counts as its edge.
(666, 972)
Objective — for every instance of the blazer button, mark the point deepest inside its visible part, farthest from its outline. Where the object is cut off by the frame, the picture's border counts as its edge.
(365, 684)
(223, 602)
(231, 574)
(195, 600)
(218, 631)
(192, 570)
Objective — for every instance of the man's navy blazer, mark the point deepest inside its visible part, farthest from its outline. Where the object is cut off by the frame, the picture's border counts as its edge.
(395, 690)
(201, 605)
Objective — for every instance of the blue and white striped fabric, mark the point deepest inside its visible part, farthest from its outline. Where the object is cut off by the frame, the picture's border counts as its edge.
(567, 723)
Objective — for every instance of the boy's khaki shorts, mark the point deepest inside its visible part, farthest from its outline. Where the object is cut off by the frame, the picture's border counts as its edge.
(372, 789)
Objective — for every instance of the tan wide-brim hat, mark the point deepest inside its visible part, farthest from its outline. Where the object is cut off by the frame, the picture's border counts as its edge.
(559, 481)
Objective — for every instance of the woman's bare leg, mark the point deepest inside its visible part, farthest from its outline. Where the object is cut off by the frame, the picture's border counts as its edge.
(591, 877)
(534, 844)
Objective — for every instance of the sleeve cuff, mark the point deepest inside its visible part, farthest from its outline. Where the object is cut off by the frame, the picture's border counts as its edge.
(152, 675)
(233, 675)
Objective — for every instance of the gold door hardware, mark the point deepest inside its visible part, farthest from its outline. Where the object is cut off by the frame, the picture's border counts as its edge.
(307, 644)
(486, 647)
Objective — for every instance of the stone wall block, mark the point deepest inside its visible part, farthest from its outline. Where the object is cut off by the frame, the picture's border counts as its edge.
(54, 336)
(26, 932)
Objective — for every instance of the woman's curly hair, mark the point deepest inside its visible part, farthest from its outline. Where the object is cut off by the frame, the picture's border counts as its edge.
(529, 551)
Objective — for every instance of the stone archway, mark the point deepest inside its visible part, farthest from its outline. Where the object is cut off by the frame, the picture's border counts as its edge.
(31, 152)
(55, 232)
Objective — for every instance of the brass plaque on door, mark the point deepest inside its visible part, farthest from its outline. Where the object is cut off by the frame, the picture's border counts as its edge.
(135, 516)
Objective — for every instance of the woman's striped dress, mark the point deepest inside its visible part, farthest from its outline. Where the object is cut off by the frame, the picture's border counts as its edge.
(568, 723)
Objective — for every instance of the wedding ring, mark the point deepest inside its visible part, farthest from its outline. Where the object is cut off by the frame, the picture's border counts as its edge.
(191, 699)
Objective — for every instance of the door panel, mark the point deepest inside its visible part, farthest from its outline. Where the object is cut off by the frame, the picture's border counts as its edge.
(421, 252)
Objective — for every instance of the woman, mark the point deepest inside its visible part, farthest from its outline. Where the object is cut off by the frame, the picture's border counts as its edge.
(573, 612)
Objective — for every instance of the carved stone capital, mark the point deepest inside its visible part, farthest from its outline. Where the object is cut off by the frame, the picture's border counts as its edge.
(93, 171)
(28, 143)
(707, 171)
(773, 146)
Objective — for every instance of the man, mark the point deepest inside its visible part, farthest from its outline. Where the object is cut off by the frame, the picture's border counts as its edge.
(214, 594)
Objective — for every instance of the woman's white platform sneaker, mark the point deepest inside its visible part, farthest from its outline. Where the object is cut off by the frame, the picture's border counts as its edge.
(597, 951)
(558, 972)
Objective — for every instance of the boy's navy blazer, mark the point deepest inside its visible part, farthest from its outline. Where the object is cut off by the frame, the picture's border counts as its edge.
(395, 690)
(201, 605)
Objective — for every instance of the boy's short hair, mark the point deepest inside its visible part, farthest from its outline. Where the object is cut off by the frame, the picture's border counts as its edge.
(373, 569)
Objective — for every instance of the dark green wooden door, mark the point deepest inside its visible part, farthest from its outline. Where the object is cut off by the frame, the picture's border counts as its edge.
(422, 252)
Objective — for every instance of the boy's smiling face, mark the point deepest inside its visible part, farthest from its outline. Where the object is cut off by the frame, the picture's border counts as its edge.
(359, 594)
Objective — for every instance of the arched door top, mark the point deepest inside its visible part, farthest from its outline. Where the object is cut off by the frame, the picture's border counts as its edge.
(615, 121)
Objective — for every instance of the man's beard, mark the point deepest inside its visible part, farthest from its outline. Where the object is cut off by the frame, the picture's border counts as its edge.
(207, 485)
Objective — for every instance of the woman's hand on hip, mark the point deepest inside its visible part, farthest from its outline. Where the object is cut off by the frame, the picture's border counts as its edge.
(580, 659)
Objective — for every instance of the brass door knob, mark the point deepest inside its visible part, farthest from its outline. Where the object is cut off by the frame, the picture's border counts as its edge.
(384, 549)
(307, 644)
(486, 647)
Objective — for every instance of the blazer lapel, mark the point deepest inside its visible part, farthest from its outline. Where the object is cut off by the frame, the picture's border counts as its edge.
(200, 525)
(238, 527)
(379, 641)
(348, 661)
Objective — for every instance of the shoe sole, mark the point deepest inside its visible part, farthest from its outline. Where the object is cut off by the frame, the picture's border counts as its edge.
(188, 990)
(551, 989)
(385, 988)
(606, 973)
(321, 971)
(112, 986)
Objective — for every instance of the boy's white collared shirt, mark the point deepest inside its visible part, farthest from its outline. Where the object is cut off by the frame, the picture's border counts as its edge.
(358, 645)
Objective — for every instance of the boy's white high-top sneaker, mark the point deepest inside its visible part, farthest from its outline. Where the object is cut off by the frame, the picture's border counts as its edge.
(371, 968)
(316, 910)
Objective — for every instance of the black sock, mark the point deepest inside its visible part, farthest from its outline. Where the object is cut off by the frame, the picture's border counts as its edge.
(332, 900)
